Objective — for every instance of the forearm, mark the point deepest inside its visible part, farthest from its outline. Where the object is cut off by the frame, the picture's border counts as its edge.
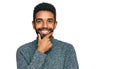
(36, 62)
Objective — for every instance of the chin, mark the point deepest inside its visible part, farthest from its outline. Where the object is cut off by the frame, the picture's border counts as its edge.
(42, 35)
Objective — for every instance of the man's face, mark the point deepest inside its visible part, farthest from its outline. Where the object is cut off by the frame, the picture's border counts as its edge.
(44, 23)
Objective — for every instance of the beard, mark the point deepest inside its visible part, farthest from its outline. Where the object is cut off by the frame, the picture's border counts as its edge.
(42, 29)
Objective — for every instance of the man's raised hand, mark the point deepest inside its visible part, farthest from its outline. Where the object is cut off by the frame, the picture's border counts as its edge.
(44, 44)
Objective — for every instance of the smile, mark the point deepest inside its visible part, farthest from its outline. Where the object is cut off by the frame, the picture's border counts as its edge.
(44, 31)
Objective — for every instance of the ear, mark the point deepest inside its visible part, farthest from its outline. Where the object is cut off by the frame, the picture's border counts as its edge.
(33, 24)
(55, 24)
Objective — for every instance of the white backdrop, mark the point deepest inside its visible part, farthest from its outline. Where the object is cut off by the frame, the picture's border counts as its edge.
(92, 26)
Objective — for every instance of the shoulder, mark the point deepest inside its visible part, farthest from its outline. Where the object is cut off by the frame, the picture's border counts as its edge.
(26, 46)
(63, 44)
(67, 48)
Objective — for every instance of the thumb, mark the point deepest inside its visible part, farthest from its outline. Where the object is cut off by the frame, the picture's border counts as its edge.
(39, 36)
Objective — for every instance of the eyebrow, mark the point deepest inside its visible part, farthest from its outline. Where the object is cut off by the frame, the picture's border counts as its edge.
(38, 19)
(51, 19)
(42, 19)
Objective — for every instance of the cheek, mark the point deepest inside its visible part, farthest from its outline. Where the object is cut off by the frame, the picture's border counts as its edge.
(38, 26)
(52, 26)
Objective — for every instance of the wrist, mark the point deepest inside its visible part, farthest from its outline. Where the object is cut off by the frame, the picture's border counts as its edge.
(41, 51)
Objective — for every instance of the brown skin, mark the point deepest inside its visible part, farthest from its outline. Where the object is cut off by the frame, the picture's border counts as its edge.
(44, 19)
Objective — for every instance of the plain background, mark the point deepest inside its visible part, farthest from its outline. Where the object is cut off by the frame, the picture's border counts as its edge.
(92, 26)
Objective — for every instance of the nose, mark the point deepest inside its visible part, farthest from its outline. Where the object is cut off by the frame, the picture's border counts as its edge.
(45, 25)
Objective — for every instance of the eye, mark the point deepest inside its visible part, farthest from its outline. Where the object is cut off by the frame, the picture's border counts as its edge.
(38, 20)
(50, 21)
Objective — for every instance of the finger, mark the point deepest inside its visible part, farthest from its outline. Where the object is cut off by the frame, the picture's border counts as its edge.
(50, 45)
(39, 37)
(49, 35)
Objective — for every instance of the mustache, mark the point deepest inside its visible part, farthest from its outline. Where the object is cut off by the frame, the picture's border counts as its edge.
(40, 29)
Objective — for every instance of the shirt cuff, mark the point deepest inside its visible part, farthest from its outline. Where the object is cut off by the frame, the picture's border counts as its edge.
(38, 57)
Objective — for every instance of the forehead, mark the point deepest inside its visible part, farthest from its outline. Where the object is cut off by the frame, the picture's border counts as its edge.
(44, 14)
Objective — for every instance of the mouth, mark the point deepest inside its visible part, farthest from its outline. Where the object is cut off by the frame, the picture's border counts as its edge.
(44, 31)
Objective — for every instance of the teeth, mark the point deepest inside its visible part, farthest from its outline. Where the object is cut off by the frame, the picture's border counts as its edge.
(44, 31)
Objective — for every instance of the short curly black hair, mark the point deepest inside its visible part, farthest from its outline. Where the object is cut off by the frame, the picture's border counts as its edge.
(44, 6)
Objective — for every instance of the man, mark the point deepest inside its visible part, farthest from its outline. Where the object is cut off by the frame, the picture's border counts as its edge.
(46, 52)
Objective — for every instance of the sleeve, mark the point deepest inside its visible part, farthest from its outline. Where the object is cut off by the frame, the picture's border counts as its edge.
(36, 62)
(71, 59)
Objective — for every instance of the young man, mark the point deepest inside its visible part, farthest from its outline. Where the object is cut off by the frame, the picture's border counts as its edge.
(46, 52)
